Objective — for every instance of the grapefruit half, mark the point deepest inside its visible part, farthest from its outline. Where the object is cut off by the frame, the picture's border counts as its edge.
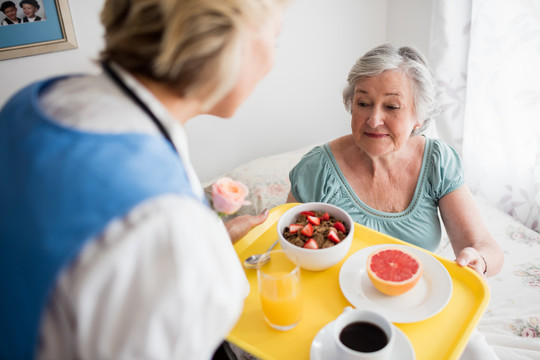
(393, 271)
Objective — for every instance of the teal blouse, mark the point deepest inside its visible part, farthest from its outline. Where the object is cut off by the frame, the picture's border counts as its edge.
(317, 177)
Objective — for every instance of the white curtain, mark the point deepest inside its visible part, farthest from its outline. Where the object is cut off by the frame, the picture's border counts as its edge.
(486, 57)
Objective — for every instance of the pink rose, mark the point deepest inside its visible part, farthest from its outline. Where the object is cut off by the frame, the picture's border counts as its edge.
(528, 333)
(228, 195)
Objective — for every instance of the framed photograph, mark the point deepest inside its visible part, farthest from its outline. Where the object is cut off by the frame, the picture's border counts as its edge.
(31, 27)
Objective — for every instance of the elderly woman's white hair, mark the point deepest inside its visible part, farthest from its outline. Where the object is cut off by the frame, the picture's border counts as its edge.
(411, 62)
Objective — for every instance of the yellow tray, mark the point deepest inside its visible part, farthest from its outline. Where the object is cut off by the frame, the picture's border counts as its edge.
(442, 336)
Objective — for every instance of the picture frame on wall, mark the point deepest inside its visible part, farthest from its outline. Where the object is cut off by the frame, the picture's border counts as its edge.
(40, 26)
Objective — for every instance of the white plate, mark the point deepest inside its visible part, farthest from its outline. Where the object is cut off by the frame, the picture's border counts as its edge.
(322, 347)
(429, 296)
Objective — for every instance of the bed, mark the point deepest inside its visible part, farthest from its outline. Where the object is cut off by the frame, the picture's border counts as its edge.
(511, 323)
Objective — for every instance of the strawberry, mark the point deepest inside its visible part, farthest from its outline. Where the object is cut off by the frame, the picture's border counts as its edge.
(325, 216)
(314, 220)
(340, 227)
(307, 230)
(333, 236)
(311, 244)
(308, 213)
(293, 228)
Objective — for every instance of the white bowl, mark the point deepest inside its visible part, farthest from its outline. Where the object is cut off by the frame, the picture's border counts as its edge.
(316, 259)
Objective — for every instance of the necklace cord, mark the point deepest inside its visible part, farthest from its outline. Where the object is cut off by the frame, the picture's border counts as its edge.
(114, 76)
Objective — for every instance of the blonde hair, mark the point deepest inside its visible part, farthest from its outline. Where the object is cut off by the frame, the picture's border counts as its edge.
(192, 46)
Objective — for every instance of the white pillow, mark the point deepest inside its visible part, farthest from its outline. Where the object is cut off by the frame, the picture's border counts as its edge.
(267, 179)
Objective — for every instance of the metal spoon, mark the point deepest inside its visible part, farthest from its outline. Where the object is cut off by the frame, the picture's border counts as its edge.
(254, 261)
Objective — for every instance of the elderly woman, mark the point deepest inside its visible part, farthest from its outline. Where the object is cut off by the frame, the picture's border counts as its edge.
(108, 249)
(386, 174)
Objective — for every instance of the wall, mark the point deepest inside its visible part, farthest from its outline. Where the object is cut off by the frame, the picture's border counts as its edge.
(300, 102)
(297, 104)
(408, 23)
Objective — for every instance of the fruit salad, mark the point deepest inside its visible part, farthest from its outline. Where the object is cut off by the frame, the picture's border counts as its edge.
(315, 230)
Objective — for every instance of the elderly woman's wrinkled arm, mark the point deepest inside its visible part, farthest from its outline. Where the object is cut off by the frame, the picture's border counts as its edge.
(471, 241)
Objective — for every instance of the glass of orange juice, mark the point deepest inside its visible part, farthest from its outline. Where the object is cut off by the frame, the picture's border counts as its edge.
(280, 292)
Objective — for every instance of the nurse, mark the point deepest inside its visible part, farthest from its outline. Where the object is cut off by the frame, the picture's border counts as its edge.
(108, 249)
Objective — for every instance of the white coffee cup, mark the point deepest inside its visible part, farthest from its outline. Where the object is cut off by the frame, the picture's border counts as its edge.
(363, 335)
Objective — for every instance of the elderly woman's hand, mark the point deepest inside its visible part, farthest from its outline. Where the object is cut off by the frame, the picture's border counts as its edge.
(471, 257)
(241, 225)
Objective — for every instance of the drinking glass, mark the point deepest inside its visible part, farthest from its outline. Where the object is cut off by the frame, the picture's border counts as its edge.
(280, 290)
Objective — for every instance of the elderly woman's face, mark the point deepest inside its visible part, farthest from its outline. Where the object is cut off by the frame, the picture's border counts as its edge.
(258, 59)
(383, 114)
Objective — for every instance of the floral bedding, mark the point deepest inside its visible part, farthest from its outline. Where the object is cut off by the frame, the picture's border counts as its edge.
(511, 323)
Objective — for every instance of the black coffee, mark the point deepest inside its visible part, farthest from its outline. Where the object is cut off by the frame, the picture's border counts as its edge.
(363, 336)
